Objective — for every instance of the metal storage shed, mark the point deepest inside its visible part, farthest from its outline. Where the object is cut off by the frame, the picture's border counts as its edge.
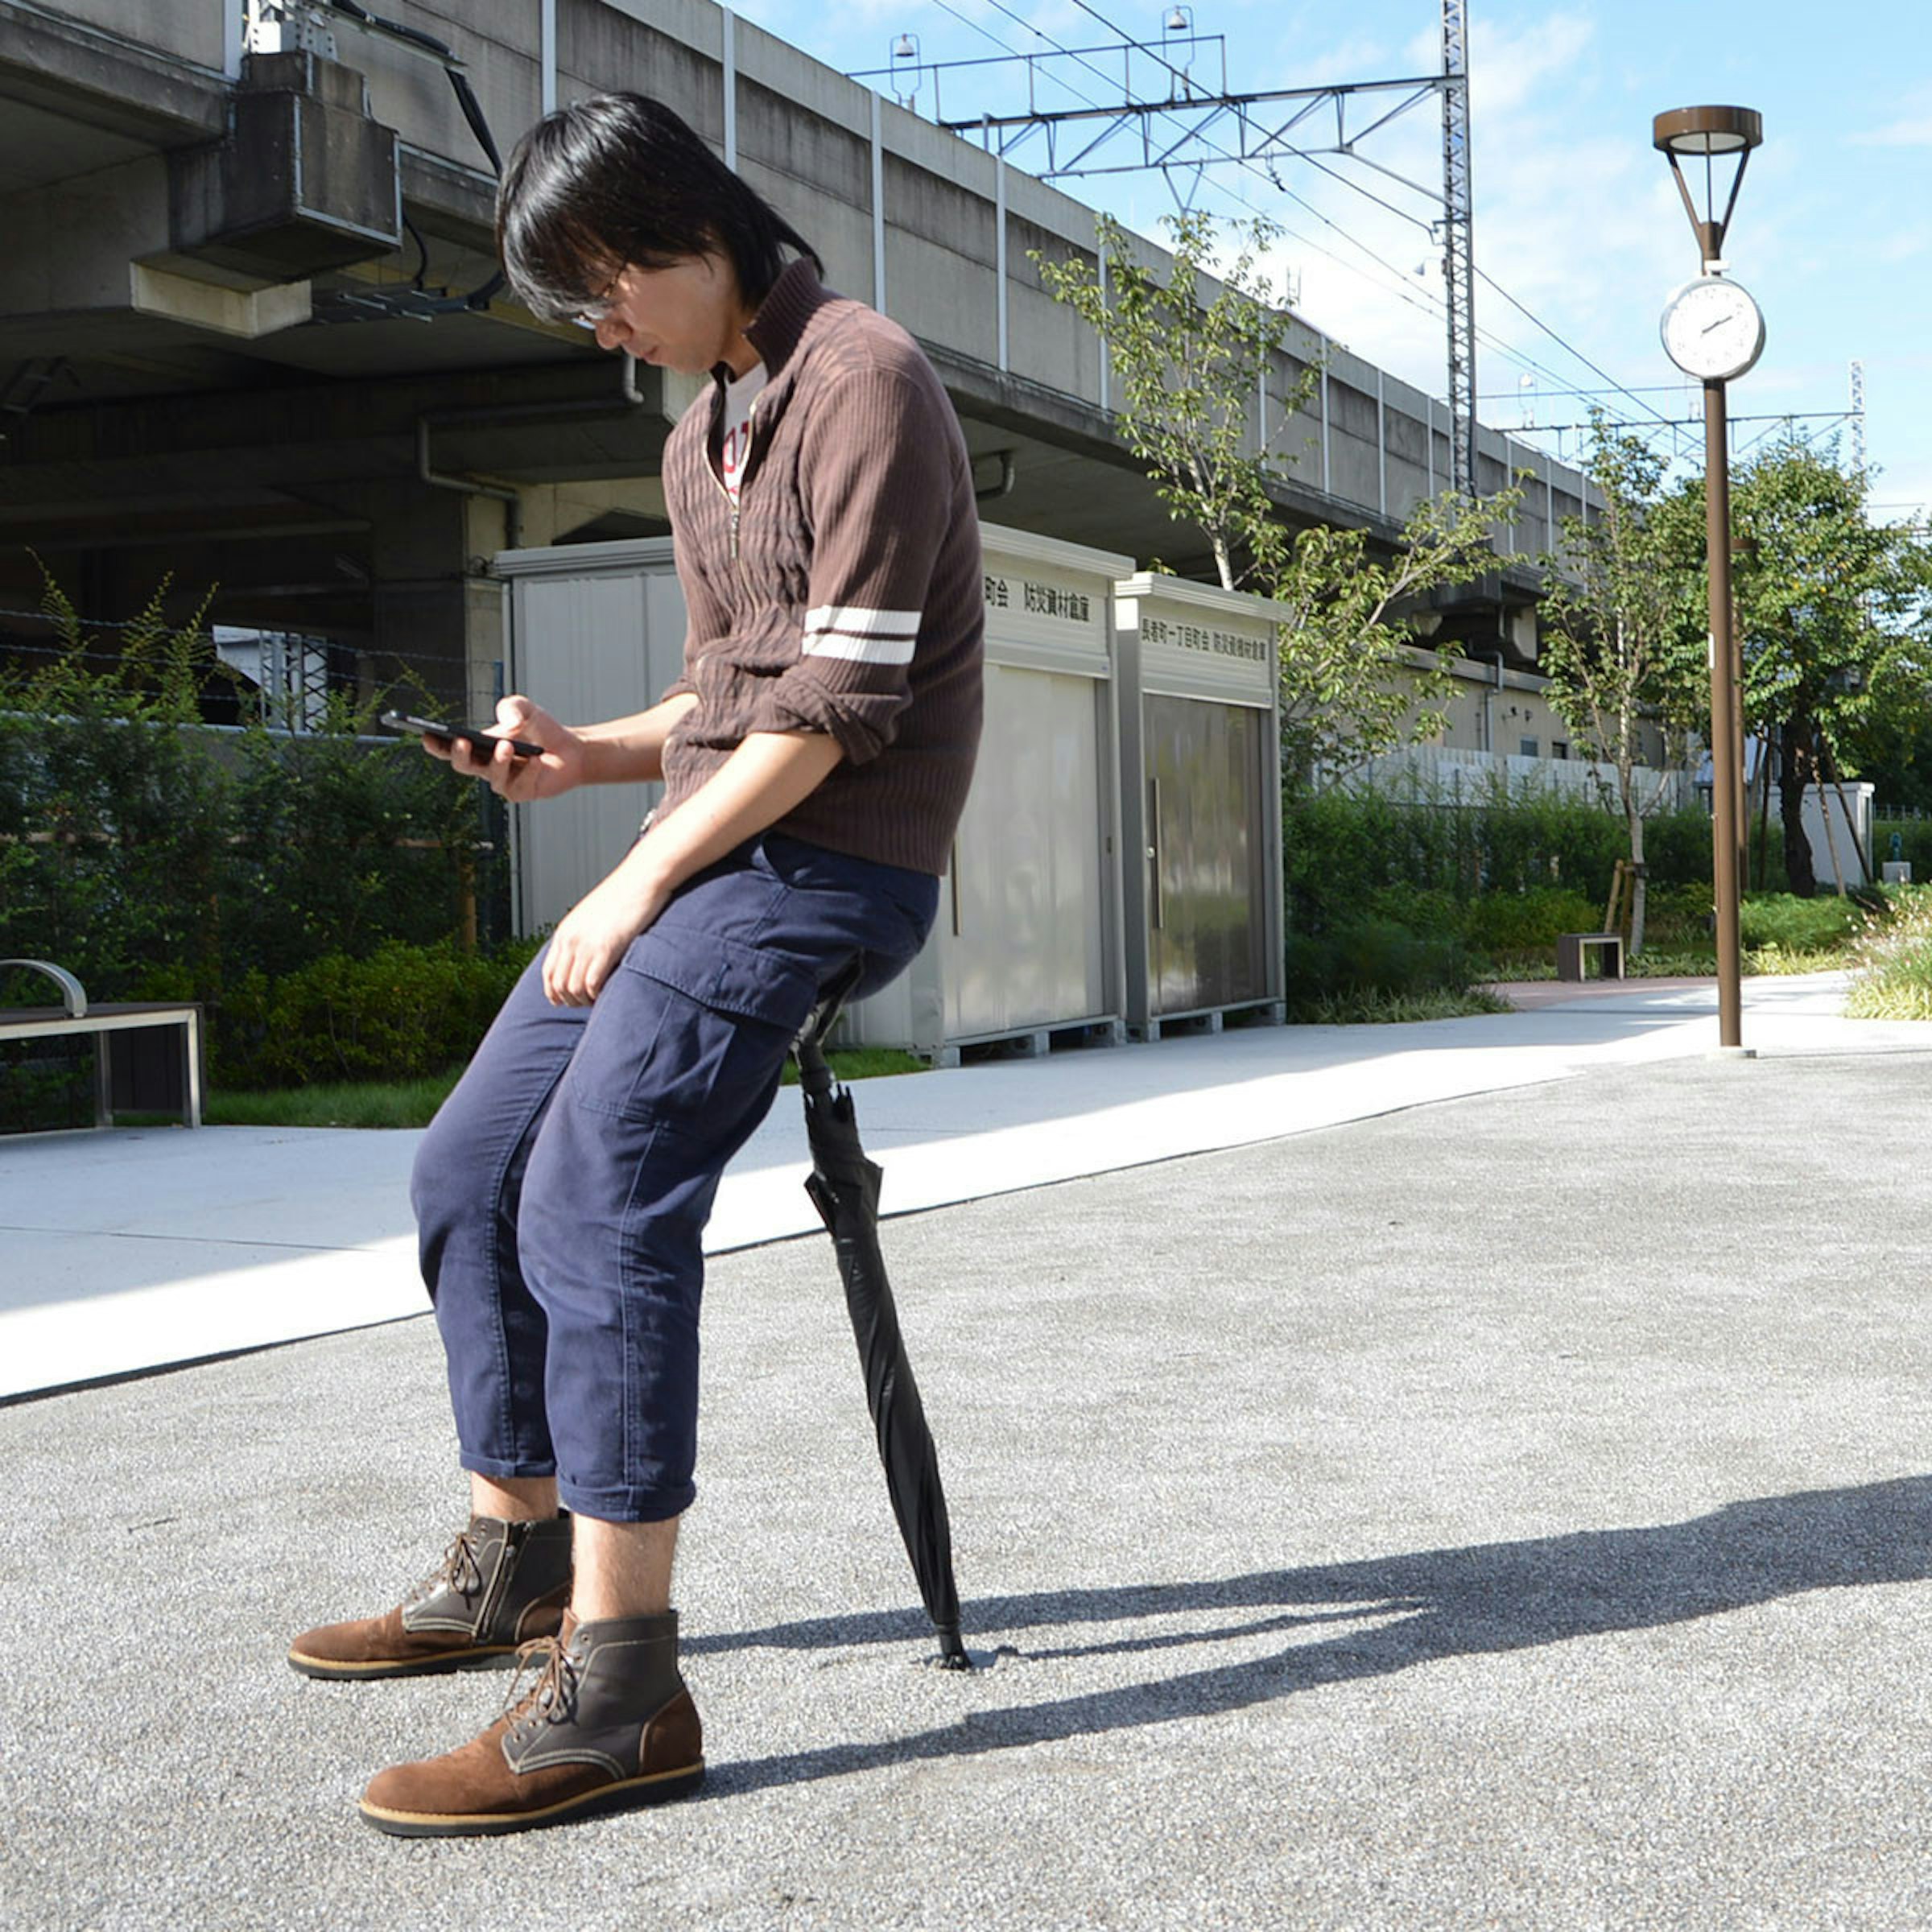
(1027, 941)
(1200, 802)
(596, 630)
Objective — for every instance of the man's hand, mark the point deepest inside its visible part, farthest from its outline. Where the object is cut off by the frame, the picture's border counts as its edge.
(768, 774)
(597, 931)
(518, 779)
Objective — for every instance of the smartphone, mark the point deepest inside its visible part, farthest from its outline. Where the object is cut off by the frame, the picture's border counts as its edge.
(482, 743)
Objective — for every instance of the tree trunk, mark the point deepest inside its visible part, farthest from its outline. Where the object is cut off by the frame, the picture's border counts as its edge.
(1794, 781)
(1638, 884)
(1828, 765)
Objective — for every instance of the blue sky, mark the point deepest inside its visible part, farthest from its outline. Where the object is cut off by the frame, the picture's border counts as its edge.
(1576, 216)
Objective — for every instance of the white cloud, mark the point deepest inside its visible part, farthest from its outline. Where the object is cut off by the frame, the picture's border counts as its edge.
(1508, 73)
(1909, 133)
(1912, 126)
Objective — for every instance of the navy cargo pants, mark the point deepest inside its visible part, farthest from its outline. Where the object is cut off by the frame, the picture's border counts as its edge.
(562, 1192)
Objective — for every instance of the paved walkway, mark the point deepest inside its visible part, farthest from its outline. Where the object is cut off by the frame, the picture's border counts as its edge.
(133, 1249)
(1515, 1512)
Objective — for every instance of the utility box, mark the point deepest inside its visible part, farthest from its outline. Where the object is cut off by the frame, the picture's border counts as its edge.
(596, 631)
(1028, 942)
(1200, 803)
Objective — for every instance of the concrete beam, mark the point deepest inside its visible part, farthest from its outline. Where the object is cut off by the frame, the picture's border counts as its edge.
(226, 312)
(304, 180)
(73, 468)
(107, 79)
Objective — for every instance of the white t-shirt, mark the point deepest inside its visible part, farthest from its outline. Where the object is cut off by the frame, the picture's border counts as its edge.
(741, 392)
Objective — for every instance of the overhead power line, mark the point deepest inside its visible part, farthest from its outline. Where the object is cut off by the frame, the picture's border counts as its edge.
(1190, 98)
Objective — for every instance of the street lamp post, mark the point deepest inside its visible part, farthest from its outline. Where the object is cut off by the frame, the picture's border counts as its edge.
(1712, 330)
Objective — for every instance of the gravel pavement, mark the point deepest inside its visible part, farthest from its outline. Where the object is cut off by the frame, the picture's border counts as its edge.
(1514, 1512)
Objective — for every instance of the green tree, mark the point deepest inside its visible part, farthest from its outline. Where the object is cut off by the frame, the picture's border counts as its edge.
(1186, 372)
(1187, 367)
(1355, 684)
(1833, 620)
(1622, 674)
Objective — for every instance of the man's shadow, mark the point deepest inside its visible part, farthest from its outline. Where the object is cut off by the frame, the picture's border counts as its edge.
(1400, 1611)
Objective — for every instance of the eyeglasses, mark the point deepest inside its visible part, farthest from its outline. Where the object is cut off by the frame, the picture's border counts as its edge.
(602, 306)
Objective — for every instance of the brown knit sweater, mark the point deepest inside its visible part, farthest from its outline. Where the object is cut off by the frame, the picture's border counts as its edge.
(843, 594)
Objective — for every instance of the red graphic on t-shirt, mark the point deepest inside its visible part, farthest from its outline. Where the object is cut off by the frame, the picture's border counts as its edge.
(734, 442)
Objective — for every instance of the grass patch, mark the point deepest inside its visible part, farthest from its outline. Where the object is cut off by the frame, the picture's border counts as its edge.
(1892, 962)
(1758, 962)
(413, 1103)
(866, 1063)
(1372, 1007)
(341, 1104)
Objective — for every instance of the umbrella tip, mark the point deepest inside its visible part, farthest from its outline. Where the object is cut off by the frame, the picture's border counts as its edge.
(952, 1652)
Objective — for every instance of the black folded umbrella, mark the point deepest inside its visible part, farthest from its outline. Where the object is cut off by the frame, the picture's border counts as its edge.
(844, 1187)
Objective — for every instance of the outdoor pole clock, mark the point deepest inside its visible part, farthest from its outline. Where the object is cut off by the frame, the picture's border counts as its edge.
(1712, 329)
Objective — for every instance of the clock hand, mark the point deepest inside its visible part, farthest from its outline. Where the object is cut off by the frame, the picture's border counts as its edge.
(1719, 324)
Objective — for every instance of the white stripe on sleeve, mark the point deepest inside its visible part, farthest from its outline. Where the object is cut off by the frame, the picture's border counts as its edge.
(860, 651)
(859, 635)
(856, 620)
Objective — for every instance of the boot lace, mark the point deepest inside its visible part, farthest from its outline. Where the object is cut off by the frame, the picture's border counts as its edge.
(552, 1696)
(459, 1570)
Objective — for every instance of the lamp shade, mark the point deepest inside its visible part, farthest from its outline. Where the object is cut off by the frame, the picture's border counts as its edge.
(1708, 131)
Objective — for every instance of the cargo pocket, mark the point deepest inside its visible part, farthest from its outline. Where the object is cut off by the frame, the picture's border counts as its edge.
(696, 1035)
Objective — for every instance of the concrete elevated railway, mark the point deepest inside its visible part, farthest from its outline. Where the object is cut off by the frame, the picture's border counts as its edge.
(224, 351)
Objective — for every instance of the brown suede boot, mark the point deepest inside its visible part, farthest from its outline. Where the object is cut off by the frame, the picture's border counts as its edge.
(608, 1724)
(501, 1584)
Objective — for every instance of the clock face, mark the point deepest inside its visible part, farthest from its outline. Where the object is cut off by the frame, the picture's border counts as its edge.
(1713, 328)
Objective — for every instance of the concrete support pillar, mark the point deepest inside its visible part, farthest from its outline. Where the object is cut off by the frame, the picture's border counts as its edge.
(878, 208)
(1382, 444)
(999, 248)
(730, 62)
(1106, 360)
(1326, 486)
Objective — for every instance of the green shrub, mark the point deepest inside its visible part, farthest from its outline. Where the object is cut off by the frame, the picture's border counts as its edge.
(1371, 955)
(403, 1012)
(1372, 1009)
(1677, 918)
(1504, 923)
(351, 844)
(1797, 925)
(1343, 850)
(155, 855)
(45, 1085)
(1427, 909)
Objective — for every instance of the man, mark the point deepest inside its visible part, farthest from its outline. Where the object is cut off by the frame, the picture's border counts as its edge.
(816, 755)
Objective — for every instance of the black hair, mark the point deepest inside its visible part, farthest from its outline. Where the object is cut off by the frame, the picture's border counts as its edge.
(617, 178)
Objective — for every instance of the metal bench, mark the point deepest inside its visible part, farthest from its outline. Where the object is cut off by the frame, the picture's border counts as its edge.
(1569, 948)
(74, 1015)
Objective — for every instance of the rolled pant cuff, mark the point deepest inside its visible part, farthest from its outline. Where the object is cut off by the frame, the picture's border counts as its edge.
(626, 1505)
(496, 1467)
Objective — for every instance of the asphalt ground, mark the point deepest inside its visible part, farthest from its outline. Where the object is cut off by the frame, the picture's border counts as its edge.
(1515, 1511)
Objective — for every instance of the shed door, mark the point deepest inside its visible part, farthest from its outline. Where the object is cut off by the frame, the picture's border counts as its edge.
(1023, 915)
(1207, 896)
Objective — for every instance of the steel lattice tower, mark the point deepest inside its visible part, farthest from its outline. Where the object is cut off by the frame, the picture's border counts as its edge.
(1458, 255)
(1259, 142)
